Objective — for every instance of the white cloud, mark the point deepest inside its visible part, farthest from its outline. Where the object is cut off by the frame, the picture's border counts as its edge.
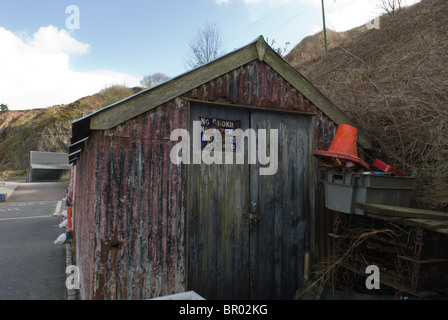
(37, 74)
(49, 39)
(220, 2)
(347, 14)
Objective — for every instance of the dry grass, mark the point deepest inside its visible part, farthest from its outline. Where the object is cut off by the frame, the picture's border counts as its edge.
(393, 82)
(327, 275)
(362, 242)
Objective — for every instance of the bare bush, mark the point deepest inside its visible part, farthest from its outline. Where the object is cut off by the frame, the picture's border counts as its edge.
(205, 46)
(153, 80)
(391, 7)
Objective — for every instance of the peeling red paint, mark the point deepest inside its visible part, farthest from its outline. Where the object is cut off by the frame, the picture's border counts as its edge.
(132, 208)
(256, 85)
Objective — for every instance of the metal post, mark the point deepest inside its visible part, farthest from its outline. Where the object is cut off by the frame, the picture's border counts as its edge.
(325, 28)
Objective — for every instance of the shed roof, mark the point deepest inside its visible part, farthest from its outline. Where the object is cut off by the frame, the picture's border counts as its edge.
(151, 98)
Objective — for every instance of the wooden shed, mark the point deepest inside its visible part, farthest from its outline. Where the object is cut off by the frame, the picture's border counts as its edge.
(146, 227)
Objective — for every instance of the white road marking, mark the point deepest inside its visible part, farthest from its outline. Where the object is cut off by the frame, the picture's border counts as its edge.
(21, 218)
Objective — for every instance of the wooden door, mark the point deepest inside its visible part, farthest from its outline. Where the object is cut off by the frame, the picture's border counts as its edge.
(278, 241)
(246, 232)
(217, 233)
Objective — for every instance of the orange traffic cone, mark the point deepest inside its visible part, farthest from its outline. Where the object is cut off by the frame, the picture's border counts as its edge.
(343, 146)
(69, 218)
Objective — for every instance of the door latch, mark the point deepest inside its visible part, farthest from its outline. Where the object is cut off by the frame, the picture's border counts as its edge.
(254, 217)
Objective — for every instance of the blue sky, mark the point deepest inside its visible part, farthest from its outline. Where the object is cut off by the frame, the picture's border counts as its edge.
(44, 63)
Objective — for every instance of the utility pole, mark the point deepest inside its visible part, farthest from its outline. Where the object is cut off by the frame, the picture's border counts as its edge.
(325, 28)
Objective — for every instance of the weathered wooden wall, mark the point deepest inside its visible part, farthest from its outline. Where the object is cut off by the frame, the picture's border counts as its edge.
(130, 199)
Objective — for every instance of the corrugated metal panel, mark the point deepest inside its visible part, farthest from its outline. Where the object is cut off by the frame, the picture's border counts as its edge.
(129, 219)
(324, 132)
(84, 218)
(257, 85)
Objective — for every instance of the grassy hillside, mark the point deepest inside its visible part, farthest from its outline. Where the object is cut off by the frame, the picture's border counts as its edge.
(47, 129)
(393, 82)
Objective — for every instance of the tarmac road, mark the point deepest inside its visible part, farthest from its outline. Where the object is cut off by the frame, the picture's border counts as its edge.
(32, 267)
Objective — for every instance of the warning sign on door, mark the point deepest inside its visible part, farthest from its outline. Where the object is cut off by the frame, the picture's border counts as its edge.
(225, 126)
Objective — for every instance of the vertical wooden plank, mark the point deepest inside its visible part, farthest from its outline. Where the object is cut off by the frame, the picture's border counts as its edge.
(256, 202)
(222, 194)
(211, 215)
(201, 214)
(281, 231)
(233, 236)
(282, 210)
(192, 223)
(283, 198)
(206, 216)
(297, 204)
(263, 250)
